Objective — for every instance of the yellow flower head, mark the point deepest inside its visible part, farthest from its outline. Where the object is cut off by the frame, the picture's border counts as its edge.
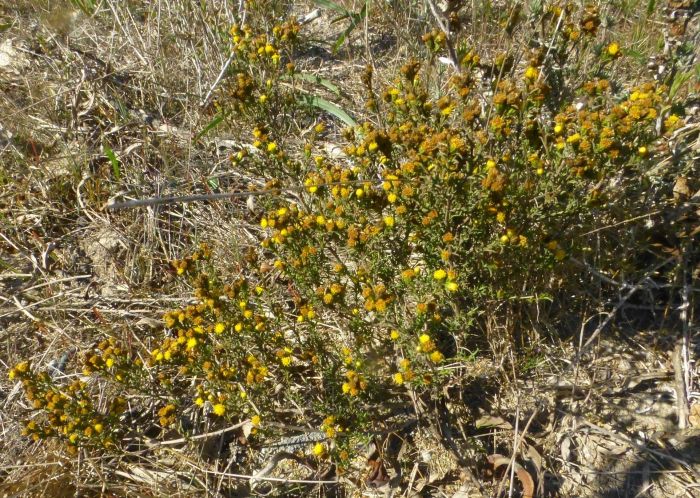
(319, 449)
(439, 274)
(219, 328)
(613, 49)
(424, 339)
(219, 409)
(531, 73)
(436, 357)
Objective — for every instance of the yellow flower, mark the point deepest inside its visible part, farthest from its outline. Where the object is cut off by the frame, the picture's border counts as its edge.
(394, 335)
(255, 420)
(398, 378)
(613, 49)
(319, 449)
(199, 402)
(439, 274)
(271, 147)
(452, 286)
(573, 139)
(219, 328)
(109, 362)
(191, 343)
(436, 356)
(359, 193)
(98, 428)
(424, 339)
(389, 221)
(262, 99)
(531, 73)
(642, 151)
(391, 197)
(219, 409)
(558, 128)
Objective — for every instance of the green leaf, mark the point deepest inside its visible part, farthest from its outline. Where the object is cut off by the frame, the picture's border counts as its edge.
(678, 81)
(116, 170)
(87, 6)
(210, 126)
(356, 19)
(312, 78)
(329, 107)
(651, 5)
(332, 5)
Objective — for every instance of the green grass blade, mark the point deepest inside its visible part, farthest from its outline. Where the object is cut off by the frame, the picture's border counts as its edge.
(329, 107)
(210, 126)
(356, 20)
(332, 6)
(651, 5)
(312, 78)
(116, 169)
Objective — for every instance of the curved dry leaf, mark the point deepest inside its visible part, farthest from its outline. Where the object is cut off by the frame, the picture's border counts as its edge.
(524, 477)
(491, 421)
(377, 476)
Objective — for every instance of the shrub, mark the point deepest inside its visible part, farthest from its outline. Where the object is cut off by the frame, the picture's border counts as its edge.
(377, 268)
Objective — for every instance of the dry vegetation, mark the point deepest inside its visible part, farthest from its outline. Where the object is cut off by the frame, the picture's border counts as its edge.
(419, 236)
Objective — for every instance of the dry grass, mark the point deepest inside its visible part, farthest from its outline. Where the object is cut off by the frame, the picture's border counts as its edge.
(588, 417)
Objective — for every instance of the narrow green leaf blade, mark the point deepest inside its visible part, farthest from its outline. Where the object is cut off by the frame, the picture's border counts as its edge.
(312, 78)
(328, 107)
(210, 126)
(332, 5)
(356, 19)
(116, 169)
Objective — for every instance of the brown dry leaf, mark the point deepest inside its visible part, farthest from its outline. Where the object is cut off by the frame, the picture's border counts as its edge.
(694, 417)
(377, 476)
(491, 421)
(524, 476)
(681, 191)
